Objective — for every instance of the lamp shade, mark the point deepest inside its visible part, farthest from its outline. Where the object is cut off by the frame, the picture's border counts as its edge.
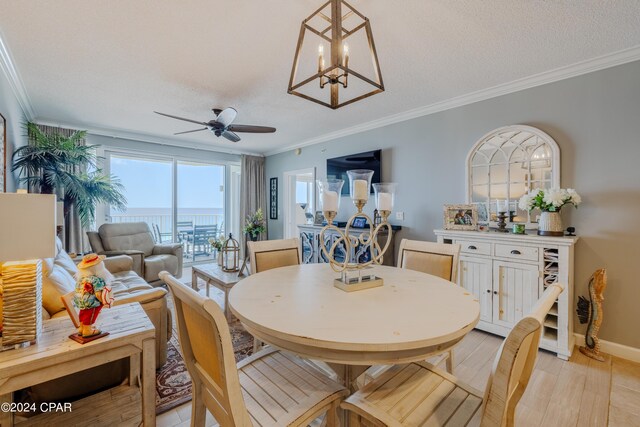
(27, 226)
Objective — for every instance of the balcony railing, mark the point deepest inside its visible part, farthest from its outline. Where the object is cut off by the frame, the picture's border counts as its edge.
(164, 221)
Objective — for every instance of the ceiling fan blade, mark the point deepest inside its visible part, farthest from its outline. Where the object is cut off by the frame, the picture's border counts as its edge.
(230, 136)
(189, 131)
(182, 118)
(227, 116)
(251, 129)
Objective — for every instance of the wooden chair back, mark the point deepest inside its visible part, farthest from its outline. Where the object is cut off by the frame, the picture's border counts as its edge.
(514, 363)
(207, 350)
(268, 254)
(439, 259)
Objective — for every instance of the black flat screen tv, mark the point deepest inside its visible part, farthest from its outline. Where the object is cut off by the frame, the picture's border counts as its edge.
(337, 168)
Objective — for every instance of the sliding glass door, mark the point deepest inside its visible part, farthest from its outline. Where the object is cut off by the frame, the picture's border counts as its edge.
(148, 188)
(181, 200)
(200, 207)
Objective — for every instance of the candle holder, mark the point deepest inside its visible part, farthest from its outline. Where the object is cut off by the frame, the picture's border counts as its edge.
(502, 223)
(359, 185)
(355, 275)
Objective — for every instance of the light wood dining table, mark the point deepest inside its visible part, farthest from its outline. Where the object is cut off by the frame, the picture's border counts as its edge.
(411, 317)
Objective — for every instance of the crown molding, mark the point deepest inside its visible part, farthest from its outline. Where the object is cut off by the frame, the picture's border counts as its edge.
(546, 77)
(141, 137)
(15, 81)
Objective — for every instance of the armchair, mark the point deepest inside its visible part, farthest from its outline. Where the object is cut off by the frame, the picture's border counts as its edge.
(136, 240)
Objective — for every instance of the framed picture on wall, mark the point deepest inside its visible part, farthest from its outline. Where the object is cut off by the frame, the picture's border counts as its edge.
(460, 217)
(273, 198)
(3, 154)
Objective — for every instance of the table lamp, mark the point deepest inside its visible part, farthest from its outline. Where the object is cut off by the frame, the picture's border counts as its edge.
(27, 234)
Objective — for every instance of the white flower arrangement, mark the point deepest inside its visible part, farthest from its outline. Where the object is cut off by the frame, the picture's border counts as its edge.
(549, 200)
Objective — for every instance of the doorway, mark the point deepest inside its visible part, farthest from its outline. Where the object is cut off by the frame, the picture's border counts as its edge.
(299, 199)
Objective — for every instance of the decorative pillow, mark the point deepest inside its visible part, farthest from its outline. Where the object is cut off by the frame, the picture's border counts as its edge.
(64, 260)
(59, 282)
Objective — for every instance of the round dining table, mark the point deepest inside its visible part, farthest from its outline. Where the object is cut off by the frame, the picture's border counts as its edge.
(411, 317)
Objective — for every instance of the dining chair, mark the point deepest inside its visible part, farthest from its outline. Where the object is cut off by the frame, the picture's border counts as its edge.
(438, 259)
(269, 388)
(421, 394)
(267, 254)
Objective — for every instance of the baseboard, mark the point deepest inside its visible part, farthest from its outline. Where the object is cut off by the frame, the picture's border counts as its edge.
(614, 349)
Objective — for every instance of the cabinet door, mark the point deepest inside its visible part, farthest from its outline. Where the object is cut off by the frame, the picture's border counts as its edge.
(515, 291)
(475, 276)
(308, 242)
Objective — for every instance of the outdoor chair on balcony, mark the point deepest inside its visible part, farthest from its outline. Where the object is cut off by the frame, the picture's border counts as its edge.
(136, 240)
(160, 236)
(184, 230)
(201, 236)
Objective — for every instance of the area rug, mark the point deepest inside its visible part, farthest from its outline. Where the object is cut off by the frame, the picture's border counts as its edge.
(173, 383)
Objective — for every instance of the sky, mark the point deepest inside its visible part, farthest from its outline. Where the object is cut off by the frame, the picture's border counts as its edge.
(148, 183)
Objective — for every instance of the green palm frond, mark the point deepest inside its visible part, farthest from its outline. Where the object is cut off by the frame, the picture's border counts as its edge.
(51, 162)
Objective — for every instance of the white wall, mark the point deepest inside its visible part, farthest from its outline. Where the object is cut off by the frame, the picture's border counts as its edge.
(10, 109)
(595, 119)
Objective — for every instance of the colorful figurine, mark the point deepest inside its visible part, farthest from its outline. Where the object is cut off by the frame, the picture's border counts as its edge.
(93, 291)
(591, 311)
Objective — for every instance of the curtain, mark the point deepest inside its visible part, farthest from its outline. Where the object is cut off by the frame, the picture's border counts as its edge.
(253, 187)
(74, 238)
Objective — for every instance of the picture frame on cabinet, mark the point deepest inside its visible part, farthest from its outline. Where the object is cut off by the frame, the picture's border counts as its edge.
(460, 217)
(319, 218)
(359, 222)
(483, 213)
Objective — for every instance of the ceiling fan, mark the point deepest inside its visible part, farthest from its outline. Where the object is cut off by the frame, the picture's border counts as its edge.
(222, 124)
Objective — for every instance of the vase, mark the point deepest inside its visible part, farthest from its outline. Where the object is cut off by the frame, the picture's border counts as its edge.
(550, 224)
(252, 237)
(219, 257)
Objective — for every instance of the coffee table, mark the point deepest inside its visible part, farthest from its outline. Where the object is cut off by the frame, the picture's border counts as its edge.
(213, 275)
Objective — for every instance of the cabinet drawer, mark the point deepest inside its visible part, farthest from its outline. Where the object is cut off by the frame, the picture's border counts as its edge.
(473, 247)
(516, 252)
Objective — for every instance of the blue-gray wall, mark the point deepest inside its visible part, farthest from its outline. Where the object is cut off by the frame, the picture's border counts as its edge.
(594, 118)
(10, 109)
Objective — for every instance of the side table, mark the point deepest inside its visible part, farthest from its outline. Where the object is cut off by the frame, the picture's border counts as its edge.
(213, 275)
(54, 355)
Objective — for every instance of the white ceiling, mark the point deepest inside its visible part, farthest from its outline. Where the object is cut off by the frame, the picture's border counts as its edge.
(108, 65)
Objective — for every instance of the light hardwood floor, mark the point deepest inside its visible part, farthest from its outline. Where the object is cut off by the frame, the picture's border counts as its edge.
(578, 392)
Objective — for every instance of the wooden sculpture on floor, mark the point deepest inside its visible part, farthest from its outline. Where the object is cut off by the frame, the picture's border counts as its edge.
(591, 311)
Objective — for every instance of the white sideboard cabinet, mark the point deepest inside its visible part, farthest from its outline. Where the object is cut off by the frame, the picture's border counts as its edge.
(507, 273)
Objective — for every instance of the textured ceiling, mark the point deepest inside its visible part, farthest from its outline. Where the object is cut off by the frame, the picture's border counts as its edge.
(109, 64)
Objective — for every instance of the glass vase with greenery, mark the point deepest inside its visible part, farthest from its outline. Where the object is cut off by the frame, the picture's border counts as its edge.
(255, 225)
(56, 164)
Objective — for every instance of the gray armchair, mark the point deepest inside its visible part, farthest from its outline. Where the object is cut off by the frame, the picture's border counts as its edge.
(136, 240)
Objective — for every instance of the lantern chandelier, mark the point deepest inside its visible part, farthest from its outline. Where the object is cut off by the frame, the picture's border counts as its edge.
(327, 25)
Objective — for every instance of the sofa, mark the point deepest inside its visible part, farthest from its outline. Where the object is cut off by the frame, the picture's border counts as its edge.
(58, 279)
(135, 239)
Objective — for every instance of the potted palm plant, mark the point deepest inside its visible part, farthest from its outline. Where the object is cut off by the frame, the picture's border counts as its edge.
(56, 164)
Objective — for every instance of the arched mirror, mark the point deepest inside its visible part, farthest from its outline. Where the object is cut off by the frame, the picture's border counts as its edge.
(507, 163)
